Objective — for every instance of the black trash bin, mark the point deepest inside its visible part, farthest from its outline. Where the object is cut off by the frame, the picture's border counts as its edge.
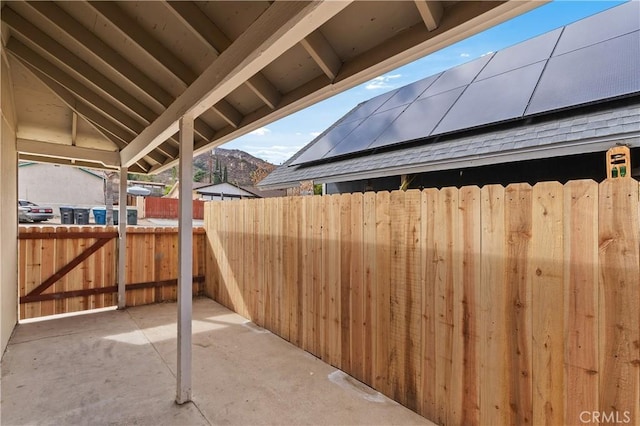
(132, 216)
(66, 215)
(81, 215)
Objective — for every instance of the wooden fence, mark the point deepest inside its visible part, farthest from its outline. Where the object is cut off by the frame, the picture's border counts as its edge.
(516, 305)
(67, 269)
(167, 208)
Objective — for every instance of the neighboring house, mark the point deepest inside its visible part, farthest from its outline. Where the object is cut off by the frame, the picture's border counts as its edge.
(55, 186)
(223, 192)
(545, 109)
(174, 192)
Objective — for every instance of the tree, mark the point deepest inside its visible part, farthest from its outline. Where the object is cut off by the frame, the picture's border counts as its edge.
(199, 175)
(261, 172)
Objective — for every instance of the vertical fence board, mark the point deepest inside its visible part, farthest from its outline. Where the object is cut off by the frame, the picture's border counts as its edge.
(297, 295)
(345, 284)
(382, 295)
(47, 269)
(369, 277)
(356, 342)
(469, 232)
(332, 266)
(581, 298)
(429, 271)
(518, 224)
(398, 298)
(546, 279)
(619, 316)
(494, 371)
(317, 206)
(306, 272)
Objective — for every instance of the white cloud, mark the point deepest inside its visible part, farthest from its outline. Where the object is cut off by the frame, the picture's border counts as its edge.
(382, 82)
(464, 55)
(488, 53)
(315, 134)
(260, 132)
(276, 154)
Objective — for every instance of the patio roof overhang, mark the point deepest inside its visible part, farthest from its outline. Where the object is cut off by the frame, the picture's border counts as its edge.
(139, 86)
(104, 84)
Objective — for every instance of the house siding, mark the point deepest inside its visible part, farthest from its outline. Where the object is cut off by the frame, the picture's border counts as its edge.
(56, 186)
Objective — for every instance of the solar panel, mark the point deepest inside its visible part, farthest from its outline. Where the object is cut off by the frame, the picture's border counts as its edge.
(522, 54)
(366, 132)
(408, 94)
(600, 27)
(591, 74)
(327, 142)
(367, 108)
(419, 120)
(494, 99)
(456, 77)
(591, 60)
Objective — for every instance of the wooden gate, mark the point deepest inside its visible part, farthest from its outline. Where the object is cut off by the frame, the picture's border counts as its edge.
(67, 269)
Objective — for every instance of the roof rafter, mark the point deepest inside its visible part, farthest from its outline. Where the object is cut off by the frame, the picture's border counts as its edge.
(29, 56)
(116, 134)
(158, 52)
(75, 95)
(431, 12)
(278, 29)
(70, 152)
(323, 54)
(209, 33)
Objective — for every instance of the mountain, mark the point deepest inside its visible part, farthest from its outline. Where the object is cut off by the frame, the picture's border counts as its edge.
(241, 168)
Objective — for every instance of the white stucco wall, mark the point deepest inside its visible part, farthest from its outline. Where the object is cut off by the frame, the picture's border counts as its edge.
(8, 213)
(55, 186)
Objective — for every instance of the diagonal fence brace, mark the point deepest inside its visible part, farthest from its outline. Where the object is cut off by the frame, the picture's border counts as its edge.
(69, 266)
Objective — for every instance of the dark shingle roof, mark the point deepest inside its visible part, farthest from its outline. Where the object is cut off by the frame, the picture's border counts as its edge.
(585, 132)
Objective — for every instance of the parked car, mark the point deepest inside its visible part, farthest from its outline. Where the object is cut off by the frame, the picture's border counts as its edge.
(31, 212)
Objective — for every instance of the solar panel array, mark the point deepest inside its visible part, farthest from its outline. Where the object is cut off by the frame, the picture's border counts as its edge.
(591, 60)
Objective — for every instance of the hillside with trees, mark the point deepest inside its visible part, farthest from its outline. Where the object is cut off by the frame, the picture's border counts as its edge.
(219, 165)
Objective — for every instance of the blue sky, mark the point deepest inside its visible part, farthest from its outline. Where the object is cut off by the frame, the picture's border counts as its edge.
(279, 140)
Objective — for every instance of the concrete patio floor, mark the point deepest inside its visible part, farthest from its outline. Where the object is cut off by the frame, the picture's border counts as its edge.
(118, 368)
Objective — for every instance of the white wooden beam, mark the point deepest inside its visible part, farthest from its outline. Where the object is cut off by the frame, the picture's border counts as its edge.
(278, 29)
(185, 265)
(122, 240)
(431, 12)
(322, 53)
(70, 152)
